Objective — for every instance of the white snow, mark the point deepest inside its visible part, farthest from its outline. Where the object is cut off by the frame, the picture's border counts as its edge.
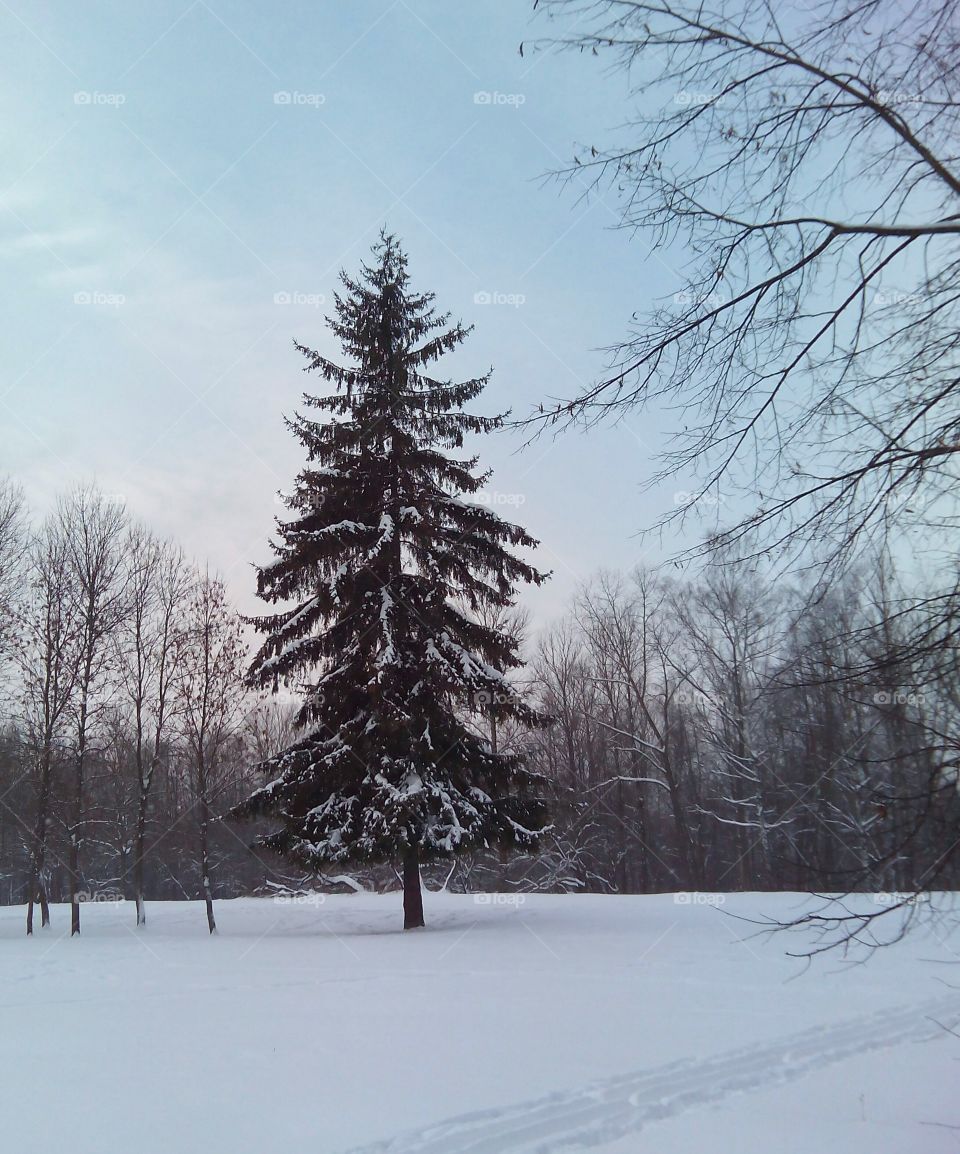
(624, 1025)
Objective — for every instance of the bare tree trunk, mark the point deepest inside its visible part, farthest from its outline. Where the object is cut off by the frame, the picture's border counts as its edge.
(139, 841)
(73, 864)
(205, 846)
(76, 822)
(38, 891)
(38, 895)
(620, 830)
(140, 848)
(412, 894)
(138, 856)
(38, 887)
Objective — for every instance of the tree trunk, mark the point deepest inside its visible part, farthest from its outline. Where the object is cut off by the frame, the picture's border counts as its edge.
(39, 895)
(138, 858)
(74, 872)
(38, 891)
(412, 895)
(76, 825)
(205, 871)
(208, 899)
(204, 846)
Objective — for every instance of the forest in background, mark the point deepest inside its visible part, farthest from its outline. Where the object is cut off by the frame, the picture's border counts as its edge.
(697, 742)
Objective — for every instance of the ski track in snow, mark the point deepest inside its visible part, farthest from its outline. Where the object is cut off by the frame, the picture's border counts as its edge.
(608, 1110)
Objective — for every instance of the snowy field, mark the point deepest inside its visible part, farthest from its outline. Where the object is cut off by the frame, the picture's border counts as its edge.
(618, 1024)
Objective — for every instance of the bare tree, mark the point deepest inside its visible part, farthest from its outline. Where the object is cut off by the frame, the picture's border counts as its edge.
(48, 665)
(794, 328)
(632, 634)
(514, 621)
(801, 169)
(269, 726)
(729, 626)
(138, 768)
(158, 581)
(699, 743)
(210, 702)
(93, 531)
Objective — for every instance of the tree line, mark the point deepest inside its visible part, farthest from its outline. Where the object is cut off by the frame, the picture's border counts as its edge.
(123, 704)
(724, 732)
(697, 740)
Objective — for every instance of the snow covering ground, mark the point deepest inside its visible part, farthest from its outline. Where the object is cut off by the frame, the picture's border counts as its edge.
(619, 1024)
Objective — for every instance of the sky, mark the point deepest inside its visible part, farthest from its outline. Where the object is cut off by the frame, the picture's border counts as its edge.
(180, 184)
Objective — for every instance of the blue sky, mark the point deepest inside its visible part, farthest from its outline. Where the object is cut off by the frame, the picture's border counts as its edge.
(179, 184)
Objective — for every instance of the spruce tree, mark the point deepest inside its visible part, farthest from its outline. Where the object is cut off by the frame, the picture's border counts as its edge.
(390, 567)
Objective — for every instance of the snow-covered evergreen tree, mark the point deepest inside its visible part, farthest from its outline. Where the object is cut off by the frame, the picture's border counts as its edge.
(391, 565)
